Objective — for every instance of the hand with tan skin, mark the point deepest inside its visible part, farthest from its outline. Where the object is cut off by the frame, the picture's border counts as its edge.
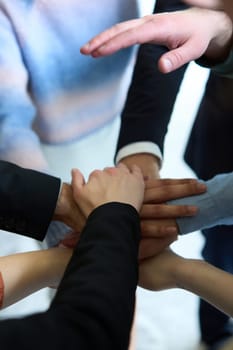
(157, 193)
(67, 210)
(159, 228)
(158, 219)
(169, 270)
(178, 31)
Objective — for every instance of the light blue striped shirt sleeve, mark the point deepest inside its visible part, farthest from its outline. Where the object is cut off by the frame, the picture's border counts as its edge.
(215, 206)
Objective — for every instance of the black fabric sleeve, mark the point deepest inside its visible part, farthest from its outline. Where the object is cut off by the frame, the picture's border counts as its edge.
(27, 200)
(94, 305)
(152, 94)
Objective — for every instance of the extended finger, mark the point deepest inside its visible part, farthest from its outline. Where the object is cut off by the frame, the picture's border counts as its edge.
(159, 228)
(77, 179)
(166, 193)
(160, 211)
(104, 37)
(123, 167)
(153, 183)
(176, 58)
(150, 28)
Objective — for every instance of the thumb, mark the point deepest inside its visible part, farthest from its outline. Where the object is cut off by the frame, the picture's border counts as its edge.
(176, 58)
(78, 180)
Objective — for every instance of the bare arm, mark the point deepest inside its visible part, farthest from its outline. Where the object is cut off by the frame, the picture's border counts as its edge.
(169, 270)
(26, 273)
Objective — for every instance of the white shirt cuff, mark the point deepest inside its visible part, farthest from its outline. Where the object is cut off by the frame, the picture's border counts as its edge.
(139, 147)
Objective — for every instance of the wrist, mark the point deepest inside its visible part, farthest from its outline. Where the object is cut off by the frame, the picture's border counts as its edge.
(67, 210)
(61, 212)
(221, 45)
(148, 163)
(186, 272)
(182, 272)
(57, 260)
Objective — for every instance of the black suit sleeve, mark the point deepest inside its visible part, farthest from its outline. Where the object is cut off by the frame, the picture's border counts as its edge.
(151, 95)
(27, 200)
(94, 305)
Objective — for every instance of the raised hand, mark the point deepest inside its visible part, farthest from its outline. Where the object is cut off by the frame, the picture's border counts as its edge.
(187, 34)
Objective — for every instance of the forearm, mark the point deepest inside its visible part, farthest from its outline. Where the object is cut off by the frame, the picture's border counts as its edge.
(208, 282)
(26, 273)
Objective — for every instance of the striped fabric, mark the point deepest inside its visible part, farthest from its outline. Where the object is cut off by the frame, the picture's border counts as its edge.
(49, 92)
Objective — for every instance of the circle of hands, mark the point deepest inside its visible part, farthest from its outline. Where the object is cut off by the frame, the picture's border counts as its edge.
(149, 197)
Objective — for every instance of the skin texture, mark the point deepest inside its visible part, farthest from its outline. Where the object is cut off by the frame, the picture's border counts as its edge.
(158, 224)
(22, 275)
(158, 220)
(178, 31)
(117, 184)
(169, 270)
(67, 210)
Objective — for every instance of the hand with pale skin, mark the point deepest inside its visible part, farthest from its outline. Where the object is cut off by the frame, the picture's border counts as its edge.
(178, 31)
(113, 184)
(169, 270)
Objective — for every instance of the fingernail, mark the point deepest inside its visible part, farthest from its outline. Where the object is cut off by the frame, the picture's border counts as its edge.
(85, 47)
(192, 209)
(167, 65)
(201, 186)
(171, 229)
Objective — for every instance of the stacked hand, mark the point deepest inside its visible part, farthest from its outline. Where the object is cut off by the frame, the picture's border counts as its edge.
(113, 184)
(158, 219)
(119, 184)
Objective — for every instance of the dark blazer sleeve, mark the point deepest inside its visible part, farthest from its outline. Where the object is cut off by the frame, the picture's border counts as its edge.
(94, 305)
(27, 200)
(151, 95)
